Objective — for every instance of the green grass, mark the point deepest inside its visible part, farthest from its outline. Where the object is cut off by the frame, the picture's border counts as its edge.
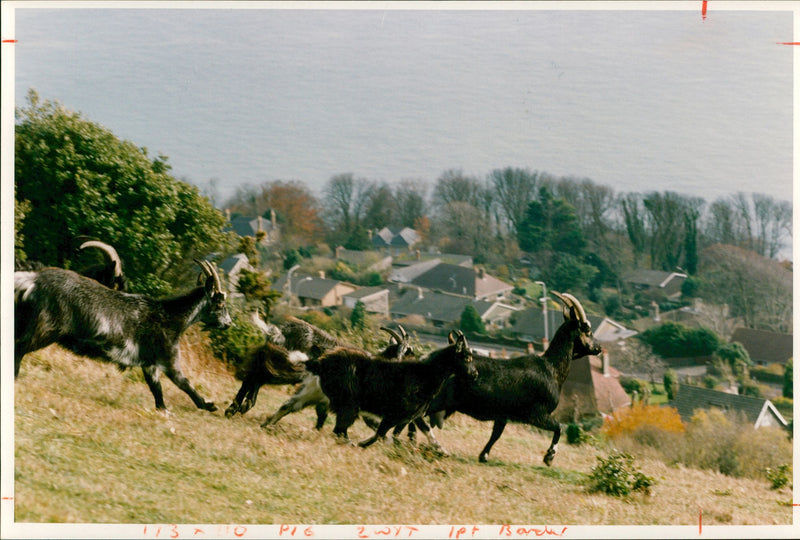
(90, 448)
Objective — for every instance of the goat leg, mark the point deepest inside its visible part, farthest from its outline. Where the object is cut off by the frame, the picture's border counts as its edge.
(497, 430)
(380, 433)
(425, 428)
(551, 424)
(322, 414)
(151, 377)
(175, 375)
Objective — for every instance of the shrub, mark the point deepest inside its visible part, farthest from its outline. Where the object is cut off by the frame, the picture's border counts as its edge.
(670, 383)
(788, 379)
(358, 317)
(671, 340)
(632, 384)
(232, 344)
(629, 420)
(575, 434)
(617, 475)
(779, 476)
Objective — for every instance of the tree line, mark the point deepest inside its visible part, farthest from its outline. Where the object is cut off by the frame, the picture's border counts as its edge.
(74, 177)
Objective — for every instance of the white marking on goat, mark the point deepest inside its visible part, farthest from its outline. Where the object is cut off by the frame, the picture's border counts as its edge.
(126, 355)
(24, 282)
(297, 356)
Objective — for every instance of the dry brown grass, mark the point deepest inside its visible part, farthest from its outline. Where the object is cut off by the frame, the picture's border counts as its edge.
(90, 447)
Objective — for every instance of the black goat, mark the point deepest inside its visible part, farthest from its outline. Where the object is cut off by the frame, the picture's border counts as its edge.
(398, 392)
(110, 272)
(59, 306)
(524, 389)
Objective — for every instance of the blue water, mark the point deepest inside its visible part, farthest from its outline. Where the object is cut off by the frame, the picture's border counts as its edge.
(636, 100)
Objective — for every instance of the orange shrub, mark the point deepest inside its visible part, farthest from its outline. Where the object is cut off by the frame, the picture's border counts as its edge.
(629, 420)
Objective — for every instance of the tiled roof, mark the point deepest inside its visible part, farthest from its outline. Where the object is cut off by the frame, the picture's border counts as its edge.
(439, 307)
(690, 399)
(763, 346)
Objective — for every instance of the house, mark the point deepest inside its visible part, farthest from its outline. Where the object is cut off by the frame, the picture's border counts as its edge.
(442, 310)
(314, 291)
(529, 326)
(375, 299)
(396, 238)
(765, 347)
(657, 283)
(231, 268)
(462, 281)
(257, 227)
(407, 274)
(592, 388)
(758, 411)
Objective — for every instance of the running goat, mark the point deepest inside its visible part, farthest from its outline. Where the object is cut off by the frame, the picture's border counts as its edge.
(59, 306)
(524, 389)
(398, 392)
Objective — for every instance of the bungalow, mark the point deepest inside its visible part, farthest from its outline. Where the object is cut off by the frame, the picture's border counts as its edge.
(462, 281)
(592, 388)
(375, 299)
(232, 267)
(396, 238)
(529, 326)
(442, 310)
(256, 227)
(765, 347)
(656, 282)
(758, 411)
(314, 291)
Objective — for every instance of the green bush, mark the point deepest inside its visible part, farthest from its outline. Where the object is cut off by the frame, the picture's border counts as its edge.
(617, 475)
(575, 434)
(779, 476)
(675, 340)
(232, 344)
(632, 384)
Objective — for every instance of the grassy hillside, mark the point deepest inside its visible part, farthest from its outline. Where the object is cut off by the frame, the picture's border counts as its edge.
(90, 447)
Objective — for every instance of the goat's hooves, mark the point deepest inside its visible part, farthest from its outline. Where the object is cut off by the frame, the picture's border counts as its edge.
(209, 406)
(548, 458)
(483, 458)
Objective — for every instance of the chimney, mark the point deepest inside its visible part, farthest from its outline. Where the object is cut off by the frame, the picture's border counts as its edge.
(418, 254)
(338, 254)
(260, 226)
(606, 364)
(273, 218)
(322, 274)
(657, 316)
(481, 272)
(420, 296)
(228, 214)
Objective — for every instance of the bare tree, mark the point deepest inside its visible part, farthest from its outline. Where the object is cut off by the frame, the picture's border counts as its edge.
(345, 201)
(514, 189)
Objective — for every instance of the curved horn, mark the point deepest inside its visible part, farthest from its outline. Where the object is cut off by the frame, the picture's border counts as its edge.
(402, 331)
(392, 333)
(578, 307)
(567, 303)
(110, 252)
(210, 271)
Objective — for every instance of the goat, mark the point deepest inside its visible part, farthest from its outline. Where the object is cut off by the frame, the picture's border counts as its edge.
(59, 306)
(398, 392)
(273, 364)
(110, 273)
(524, 389)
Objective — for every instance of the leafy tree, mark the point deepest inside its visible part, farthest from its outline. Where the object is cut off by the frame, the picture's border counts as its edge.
(409, 199)
(256, 287)
(20, 209)
(674, 340)
(788, 380)
(551, 224)
(670, 383)
(80, 179)
(470, 321)
(757, 289)
(358, 239)
(358, 317)
(570, 273)
(290, 258)
(514, 189)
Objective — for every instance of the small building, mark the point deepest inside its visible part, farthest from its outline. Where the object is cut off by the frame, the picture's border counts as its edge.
(656, 283)
(314, 291)
(257, 227)
(442, 310)
(369, 260)
(232, 266)
(375, 299)
(529, 326)
(758, 411)
(404, 238)
(592, 388)
(462, 281)
(765, 347)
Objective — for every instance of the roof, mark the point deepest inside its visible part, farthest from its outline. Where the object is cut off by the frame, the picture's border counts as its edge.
(590, 391)
(405, 237)
(366, 292)
(652, 278)
(233, 261)
(433, 306)
(765, 347)
(249, 226)
(530, 322)
(691, 398)
(309, 287)
(407, 274)
(460, 280)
